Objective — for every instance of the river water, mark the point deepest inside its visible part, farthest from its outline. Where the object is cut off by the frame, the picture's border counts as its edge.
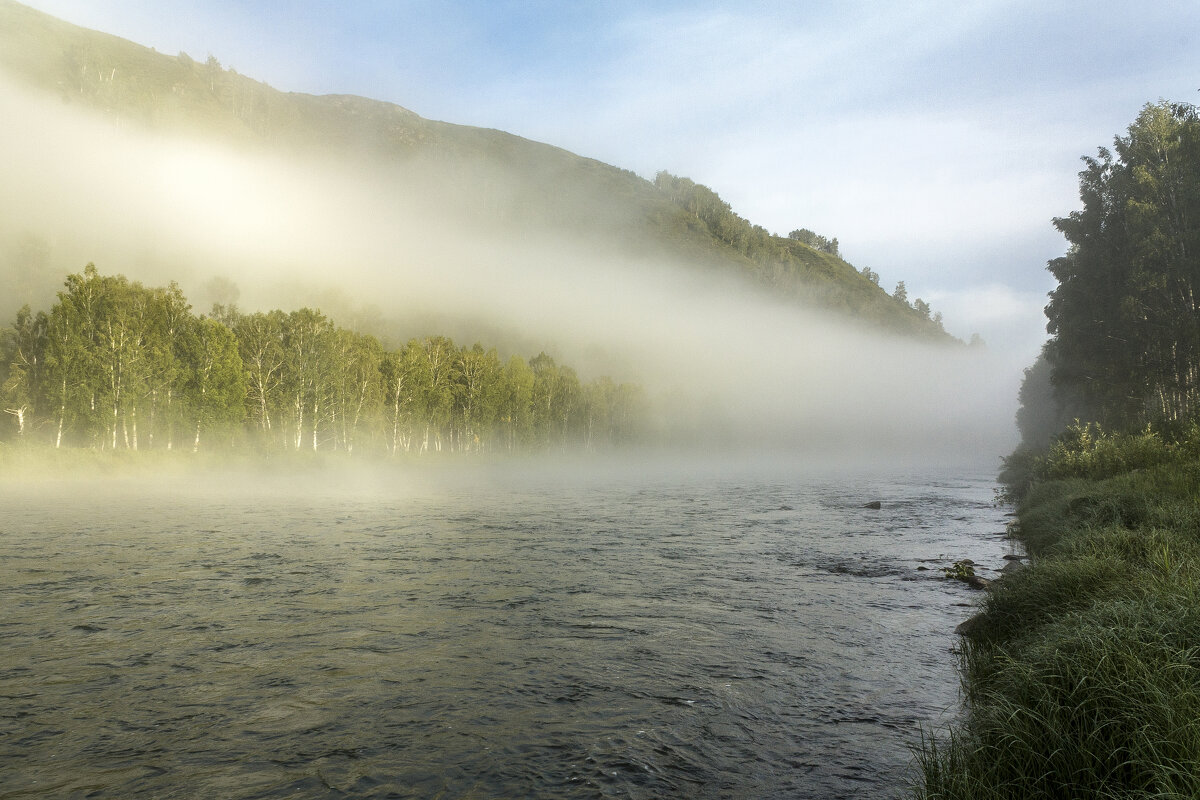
(523, 633)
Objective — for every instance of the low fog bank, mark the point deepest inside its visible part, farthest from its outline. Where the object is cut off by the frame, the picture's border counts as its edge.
(328, 481)
(724, 366)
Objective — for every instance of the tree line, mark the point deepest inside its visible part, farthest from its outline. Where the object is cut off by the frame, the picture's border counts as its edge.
(816, 241)
(117, 365)
(804, 263)
(1124, 320)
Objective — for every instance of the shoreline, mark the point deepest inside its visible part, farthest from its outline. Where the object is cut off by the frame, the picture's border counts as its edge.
(1081, 672)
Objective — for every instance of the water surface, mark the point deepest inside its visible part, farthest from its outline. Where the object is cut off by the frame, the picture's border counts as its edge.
(519, 635)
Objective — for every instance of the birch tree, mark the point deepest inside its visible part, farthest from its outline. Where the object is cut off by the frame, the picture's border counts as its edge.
(22, 351)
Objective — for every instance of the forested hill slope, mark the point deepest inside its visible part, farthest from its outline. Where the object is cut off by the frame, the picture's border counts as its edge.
(504, 181)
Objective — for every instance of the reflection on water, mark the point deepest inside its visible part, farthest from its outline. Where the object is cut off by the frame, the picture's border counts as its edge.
(733, 637)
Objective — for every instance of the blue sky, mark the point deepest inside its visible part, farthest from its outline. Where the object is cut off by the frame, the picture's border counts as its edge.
(936, 139)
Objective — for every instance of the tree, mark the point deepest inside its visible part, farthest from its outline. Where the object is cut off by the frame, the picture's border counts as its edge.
(69, 361)
(478, 394)
(213, 388)
(168, 321)
(1124, 322)
(437, 365)
(306, 336)
(556, 399)
(1044, 410)
(357, 391)
(22, 351)
(213, 71)
(815, 240)
(115, 365)
(260, 345)
(97, 354)
(901, 293)
(399, 394)
(516, 403)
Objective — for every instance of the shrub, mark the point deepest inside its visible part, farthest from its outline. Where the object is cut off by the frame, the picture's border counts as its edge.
(1084, 450)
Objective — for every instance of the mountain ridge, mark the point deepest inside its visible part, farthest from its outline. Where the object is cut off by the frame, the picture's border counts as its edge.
(504, 179)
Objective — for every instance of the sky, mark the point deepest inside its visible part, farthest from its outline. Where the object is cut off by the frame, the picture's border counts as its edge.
(935, 139)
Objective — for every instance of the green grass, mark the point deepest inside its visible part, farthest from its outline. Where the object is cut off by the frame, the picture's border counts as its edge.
(1101, 702)
(1082, 679)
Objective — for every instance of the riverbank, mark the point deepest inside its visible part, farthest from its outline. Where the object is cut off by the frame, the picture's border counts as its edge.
(1082, 674)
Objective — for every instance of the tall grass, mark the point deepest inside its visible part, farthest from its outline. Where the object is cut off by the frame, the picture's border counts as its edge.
(1101, 702)
(1082, 679)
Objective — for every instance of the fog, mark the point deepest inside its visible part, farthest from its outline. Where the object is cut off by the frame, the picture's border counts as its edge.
(369, 247)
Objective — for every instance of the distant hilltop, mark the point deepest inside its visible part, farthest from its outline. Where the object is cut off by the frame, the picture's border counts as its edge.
(494, 180)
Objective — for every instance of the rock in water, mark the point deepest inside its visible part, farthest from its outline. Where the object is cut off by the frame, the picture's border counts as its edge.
(875, 504)
(970, 625)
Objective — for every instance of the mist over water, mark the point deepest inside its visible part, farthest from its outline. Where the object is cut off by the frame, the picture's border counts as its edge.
(530, 631)
(724, 363)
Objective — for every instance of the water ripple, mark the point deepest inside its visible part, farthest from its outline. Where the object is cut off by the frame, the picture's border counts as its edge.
(724, 639)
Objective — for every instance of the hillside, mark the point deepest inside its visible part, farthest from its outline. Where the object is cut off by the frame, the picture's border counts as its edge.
(504, 181)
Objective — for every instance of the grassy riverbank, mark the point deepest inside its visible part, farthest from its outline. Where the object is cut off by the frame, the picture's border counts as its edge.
(1082, 678)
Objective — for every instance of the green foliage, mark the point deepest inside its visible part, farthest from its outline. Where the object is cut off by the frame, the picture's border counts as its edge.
(816, 241)
(1124, 317)
(1084, 450)
(1017, 474)
(118, 366)
(1083, 673)
(961, 571)
(1045, 409)
(805, 265)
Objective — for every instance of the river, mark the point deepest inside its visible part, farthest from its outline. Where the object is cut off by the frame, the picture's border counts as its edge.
(524, 632)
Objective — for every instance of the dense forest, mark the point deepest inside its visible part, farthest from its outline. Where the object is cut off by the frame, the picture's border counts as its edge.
(117, 365)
